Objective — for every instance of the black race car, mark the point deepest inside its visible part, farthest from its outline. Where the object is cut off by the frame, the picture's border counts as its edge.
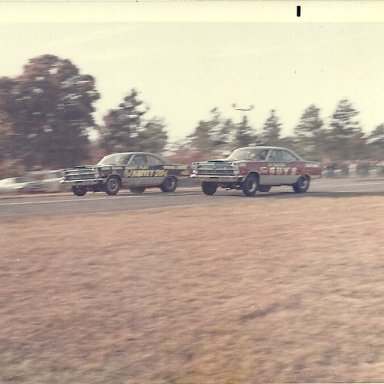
(134, 170)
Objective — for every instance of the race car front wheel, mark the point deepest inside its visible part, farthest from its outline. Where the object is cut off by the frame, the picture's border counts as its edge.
(79, 190)
(209, 188)
(250, 185)
(112, 186)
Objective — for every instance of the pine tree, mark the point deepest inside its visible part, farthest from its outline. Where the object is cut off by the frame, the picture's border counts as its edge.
(153, 137)
(200, 140)
(245, 134)
(122, 125)
(271, 130)
(345, 137)
(213, 136)
(375, 143)
(309, 133)
(126, 129)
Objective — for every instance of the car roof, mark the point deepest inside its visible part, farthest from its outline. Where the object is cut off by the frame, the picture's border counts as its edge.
(268, 147)
(133, 153)
(264, 147)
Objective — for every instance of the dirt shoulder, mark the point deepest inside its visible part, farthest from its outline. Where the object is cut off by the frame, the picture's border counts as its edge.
(285, 290)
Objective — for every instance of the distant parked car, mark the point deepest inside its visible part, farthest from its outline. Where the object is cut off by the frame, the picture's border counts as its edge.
(50, 180)
(252, 169)
(19, 185)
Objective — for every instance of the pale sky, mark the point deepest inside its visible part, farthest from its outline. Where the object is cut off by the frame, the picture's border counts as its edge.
(185, 67)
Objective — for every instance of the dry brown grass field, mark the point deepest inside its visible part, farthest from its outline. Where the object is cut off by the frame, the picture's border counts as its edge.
(271, 291)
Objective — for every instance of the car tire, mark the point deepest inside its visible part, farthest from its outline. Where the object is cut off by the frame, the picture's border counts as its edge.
(264, 188)
(302, 184)
(137, 190)
(250, 185)
(209, 188)
(169, 184)
(79, 190)
(112, 186)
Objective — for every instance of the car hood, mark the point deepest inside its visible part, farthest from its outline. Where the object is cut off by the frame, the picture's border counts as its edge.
(215, 161)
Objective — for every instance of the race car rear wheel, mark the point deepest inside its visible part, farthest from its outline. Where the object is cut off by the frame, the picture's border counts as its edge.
(302, 185)
(250, 185)
(137, 190)
(112, 186)
(209, 188)
(169, 184)
(79, 190)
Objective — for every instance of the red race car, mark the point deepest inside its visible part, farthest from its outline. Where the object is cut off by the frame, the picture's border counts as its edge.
(252, 169)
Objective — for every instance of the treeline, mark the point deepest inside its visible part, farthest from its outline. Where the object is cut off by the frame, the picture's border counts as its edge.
(342, 139)
(46, 116)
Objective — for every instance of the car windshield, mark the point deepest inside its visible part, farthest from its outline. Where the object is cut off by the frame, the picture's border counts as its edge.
(248, 154)
(115, 159)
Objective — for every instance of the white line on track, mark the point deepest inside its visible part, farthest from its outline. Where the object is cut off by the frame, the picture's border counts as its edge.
(64, 201)
(351, 184)
(77, 200)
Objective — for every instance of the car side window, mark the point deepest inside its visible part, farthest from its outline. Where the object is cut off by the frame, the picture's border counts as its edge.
(275, 155)
(125, 160)
(260, 155)
(272, 156)
(139, 160)
(153, 160)
(287, 156)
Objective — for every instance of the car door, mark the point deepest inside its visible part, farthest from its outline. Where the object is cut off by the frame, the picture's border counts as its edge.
(156, 166)
(292, 166)
(136, 171)
(279, 167)
(261, 159)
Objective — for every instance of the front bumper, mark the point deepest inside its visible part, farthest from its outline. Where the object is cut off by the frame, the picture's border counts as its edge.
(79, 182)
(217, 178)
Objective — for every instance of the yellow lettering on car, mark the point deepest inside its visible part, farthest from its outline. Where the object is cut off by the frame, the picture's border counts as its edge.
(160, 173)
(139, 172)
